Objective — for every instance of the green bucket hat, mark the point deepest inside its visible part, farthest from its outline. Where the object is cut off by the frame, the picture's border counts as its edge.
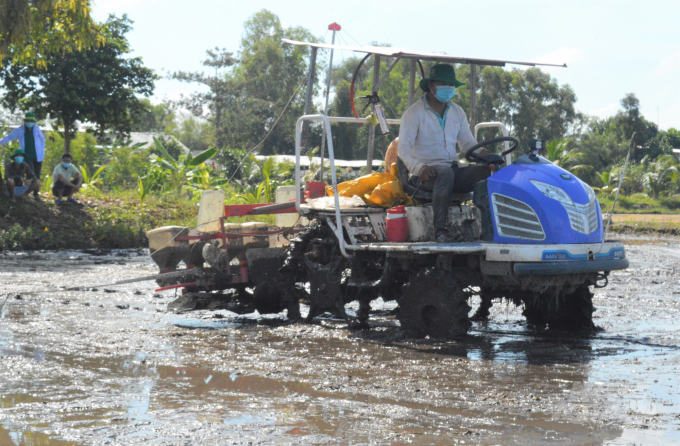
(30, 117)
(441, 72)
(18, 152)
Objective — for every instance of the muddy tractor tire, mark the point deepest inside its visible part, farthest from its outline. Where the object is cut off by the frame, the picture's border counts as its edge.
(314, 257)
(325, 288)
(267, 298)
(568, 311)
(432, 304)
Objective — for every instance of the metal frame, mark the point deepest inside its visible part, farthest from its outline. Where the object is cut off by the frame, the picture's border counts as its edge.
(414, 57)
(337, 227)
(483, 125)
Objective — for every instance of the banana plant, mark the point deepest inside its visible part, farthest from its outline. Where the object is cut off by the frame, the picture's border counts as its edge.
(200, 181)
(252, 195)
(144, 185)
(92, 181)
(180, 171)
(274, 175)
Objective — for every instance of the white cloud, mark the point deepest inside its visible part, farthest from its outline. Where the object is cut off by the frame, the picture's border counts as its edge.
(562, 56)
(605, 112)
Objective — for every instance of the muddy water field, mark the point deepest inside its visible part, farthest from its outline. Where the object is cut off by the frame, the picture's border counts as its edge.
(111, 366)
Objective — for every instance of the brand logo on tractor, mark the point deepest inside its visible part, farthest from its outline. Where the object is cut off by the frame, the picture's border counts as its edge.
(566, 176)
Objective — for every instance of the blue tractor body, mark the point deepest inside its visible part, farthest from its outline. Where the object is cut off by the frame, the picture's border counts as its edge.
(533, 201)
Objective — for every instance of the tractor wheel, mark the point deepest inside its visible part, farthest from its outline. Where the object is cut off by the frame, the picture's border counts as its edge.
(309, 259)
(572, 311)
(325, 288)
(432, 304)
(483, 311)
(267, 298)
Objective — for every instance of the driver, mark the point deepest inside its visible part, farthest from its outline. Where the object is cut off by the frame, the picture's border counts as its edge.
(428, 134)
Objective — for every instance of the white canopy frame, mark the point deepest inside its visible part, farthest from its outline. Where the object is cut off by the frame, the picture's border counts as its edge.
(399, 53)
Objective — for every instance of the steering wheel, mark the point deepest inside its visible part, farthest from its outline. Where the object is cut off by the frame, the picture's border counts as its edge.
(493, 158)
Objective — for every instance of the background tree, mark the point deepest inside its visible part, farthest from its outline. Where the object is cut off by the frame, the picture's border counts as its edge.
(211, 106)
(244, 102)
(159, 118)
(30, 30)
(196, 135)
(96, 85)
(268, 74)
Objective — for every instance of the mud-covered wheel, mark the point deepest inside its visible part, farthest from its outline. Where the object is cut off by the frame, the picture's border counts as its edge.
(577, 310)
(268, 298)
(569, 311)
(432, 304)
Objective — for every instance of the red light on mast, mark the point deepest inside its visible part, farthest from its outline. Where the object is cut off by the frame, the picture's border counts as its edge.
(334, 27)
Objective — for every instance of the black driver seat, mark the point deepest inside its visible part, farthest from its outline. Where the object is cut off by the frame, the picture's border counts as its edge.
(424, 195)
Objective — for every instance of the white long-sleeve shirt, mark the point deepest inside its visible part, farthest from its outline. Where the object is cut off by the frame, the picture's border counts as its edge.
(422, 141)
(19, 133)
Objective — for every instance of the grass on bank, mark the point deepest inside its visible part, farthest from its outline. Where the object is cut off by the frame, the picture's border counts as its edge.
(117, 219)
(640, 204)
(107, 220)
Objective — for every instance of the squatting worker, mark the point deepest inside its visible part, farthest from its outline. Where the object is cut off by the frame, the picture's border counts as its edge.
(19, 176)
(32, 142)
(66, 179)
(428, 134)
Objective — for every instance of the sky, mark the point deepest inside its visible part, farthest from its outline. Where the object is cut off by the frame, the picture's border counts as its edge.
(611, 47)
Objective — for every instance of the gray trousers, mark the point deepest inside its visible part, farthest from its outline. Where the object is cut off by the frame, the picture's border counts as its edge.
(452, 179)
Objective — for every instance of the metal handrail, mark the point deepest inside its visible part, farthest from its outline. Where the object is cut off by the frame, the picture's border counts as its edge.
(481, 125)
(337, 228)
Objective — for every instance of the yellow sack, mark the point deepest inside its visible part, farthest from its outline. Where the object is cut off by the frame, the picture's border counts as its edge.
(362, 185)
(388, 195)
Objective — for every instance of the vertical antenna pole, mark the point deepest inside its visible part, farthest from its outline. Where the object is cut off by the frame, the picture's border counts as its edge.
(335, 27)
(371, 127)
(618, 189)
(308, 98)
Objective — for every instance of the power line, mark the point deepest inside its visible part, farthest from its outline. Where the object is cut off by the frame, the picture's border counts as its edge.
(272, 127)
(353, 38)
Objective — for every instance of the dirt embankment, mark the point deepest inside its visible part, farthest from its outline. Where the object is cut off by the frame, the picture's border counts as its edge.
(107, 223)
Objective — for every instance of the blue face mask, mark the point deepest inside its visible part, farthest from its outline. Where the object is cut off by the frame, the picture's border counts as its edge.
(66, 165)
(445, 93)
(29, 124)
(19, 159)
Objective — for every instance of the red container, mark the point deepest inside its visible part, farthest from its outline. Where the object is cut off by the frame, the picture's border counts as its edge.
(315, 189)
(396, 225)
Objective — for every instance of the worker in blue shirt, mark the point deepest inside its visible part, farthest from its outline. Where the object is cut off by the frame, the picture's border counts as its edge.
(32, 142)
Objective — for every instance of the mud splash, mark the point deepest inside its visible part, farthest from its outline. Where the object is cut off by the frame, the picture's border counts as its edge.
(113, 367)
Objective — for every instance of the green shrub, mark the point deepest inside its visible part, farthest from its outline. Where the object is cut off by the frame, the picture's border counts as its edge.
(83, 151)
(124, 167)
(671, 202)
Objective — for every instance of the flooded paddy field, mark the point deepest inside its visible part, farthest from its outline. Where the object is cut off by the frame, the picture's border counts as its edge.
(112, 366)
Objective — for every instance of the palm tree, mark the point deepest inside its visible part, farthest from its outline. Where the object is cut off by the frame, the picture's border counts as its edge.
(608, 179)
(661, 176)
(557, 152)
